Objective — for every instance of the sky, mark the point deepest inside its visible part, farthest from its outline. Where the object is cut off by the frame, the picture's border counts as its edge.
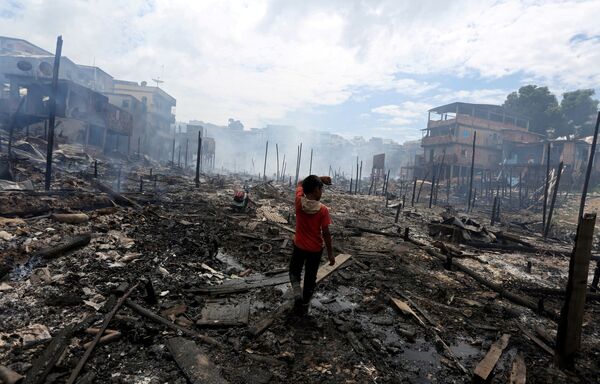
(370, 68)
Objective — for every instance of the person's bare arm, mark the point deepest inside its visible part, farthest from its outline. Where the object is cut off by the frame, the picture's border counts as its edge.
(327, 238)
(326, 180)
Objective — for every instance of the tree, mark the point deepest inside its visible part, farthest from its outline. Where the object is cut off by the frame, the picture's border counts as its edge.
(578, 109)
(538, 104)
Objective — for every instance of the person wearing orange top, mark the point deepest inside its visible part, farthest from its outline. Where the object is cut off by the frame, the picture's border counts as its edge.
(312, 230)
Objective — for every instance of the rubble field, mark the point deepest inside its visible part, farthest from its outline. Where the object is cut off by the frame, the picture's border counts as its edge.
(176, 287)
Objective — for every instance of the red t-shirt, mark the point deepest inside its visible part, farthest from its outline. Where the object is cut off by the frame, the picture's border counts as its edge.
(308, 227)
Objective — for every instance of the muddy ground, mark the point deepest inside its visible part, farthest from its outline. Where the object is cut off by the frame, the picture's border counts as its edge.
(186, 240)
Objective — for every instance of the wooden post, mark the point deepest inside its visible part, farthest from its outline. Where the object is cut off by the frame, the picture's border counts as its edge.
(298, 162)
(412, 199)
(141, 184)
(186, 153)
(387, 182)
(310, 164)
(199, 154)
(52, 115)
(546, 185)
(589, 168)
(277, 156)
(472, 169)
(431, 191)
(520, 189)
(357, 177)
(398, 212)
(95, 169)
(568, 338)
(553, 201)
(493, 218)
(138, 151)
(265, 166)
(350, 191)
(360, 177)
(173, 154)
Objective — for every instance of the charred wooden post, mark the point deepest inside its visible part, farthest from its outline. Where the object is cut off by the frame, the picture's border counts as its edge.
(520, 190)
(568, 338)
(173, 154)
(432, 189)
(95, 169)
(151, 173)
(155, 180)
(277, 158)
(553, 201)
(360, 177)
(185, 163)
(493, 218)
(150, 292)
(52, 115)
(198, 157)
(372, 181)
(398, 208)
(138, 147)
(357, 177)
(350, 191)
(265, 166)
(412, 199)
(387, 182)
(472, 169)
(588, 171)
(406, 233)
(546, 185)
(141, 184)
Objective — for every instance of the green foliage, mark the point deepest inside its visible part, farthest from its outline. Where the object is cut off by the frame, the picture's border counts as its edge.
(538, 104)
(577, 108)
(574, 115)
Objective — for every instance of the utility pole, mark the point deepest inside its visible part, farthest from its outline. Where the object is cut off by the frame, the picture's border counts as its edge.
(52, 116)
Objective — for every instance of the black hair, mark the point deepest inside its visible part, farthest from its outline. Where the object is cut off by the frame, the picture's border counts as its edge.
(310, 183)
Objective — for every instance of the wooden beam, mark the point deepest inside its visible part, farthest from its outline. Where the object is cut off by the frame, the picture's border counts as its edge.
(486, 366)
(568, 338)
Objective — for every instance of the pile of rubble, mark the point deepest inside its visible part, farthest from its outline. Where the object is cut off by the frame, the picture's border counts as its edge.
(139, 276)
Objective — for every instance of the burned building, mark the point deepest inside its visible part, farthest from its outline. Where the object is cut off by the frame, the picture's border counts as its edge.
(448, 139)
(159, 109)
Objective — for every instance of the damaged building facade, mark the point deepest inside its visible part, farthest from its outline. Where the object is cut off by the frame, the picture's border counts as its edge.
(93, 108)
(504, 147)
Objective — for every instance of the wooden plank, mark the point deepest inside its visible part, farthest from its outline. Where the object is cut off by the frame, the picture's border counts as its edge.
(243, 286)
(486, 366)
(194, 363)
(518, 373)
(324, 271)
(224, 314)
(536, 340)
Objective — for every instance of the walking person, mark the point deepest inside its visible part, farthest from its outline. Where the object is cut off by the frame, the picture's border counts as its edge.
(312, 230)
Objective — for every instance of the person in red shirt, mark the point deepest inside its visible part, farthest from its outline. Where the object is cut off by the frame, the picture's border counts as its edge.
(312, 229)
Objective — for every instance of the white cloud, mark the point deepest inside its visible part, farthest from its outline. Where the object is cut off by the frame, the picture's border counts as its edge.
(404, 114)
(259, 60)
(480, 96)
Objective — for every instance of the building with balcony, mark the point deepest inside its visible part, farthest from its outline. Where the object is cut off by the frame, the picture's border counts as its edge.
(448, 138)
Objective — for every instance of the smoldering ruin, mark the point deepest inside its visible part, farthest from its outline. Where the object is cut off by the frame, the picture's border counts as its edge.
(469, 255)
